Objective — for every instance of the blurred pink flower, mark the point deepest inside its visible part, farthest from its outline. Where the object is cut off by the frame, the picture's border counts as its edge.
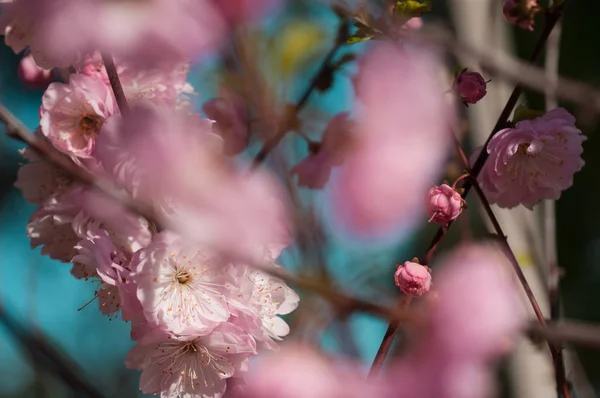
(236, 11)
(72, 114)
(180, 287)
(190, 366)
(413, 278)
(231, 120)
(313, 171)
(32, 75)
(176, 161)
(401, 145)
(443, 204)
(147, 32)
(469, 86)
(521, 13)
(477, 310)
(533, 161)
(300, 372)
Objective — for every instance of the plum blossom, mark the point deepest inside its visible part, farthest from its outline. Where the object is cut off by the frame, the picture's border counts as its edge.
(38, 180)
(231, 119)
(313, 172)
(443, 204)
(535, 160)
(72, 114)
(401, 141)
(413, 278)
(470, 87)
(259, 299)
(51, 225)
(32, 75)
(178, 366)
(180, 286)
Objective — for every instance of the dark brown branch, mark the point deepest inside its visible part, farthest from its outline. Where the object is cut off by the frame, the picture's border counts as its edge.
(115, 82)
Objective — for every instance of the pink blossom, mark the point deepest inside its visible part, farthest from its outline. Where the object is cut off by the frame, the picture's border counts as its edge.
(181, 287)
(203, 194)
(469, 86)
(38, 180)
(402, 141)
(521, 12)
(413, 278)
(231, 121)
(299, 372)
(534, 160)
(258, 300)
(177, 30)
(443, 204)
(236, 11)
(477, 308)
(32, 75)
(313, 171)
(188, 365)
(72, 114)
(50, 226)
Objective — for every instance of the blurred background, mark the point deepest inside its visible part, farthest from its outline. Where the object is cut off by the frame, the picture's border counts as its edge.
(42, 299)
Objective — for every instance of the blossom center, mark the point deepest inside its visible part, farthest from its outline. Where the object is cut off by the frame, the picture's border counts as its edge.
(183, 276)
(90, 124)
(522, 149)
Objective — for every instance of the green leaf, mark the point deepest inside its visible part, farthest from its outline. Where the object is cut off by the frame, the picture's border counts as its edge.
(524, 113)
(411, 8)
(357, 39)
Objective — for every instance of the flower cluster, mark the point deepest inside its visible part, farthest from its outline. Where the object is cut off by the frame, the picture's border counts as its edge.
(198, 310)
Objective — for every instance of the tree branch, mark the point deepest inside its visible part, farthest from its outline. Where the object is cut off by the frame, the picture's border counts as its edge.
(115, 82)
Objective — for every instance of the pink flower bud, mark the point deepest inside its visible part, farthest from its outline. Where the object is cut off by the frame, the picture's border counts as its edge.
(520, 13)
(469, 86)
(443, 204)
(32, 75)
(413, 278)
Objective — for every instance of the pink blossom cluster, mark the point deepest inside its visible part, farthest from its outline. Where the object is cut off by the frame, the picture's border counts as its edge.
(197, 308)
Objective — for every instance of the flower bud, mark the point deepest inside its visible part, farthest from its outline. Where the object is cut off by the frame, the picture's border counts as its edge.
(32, 75)
(469, 86)
(413, 278)
(444, 204)
(520, 13)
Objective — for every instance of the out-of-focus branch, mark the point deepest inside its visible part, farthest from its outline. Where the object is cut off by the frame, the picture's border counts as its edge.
(47, 356)
(290, 116)
(115, 82)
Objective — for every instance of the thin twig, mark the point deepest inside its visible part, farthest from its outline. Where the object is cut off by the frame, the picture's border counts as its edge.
(551, 20)
(549, 207)
(115, 82)
(284, 127)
